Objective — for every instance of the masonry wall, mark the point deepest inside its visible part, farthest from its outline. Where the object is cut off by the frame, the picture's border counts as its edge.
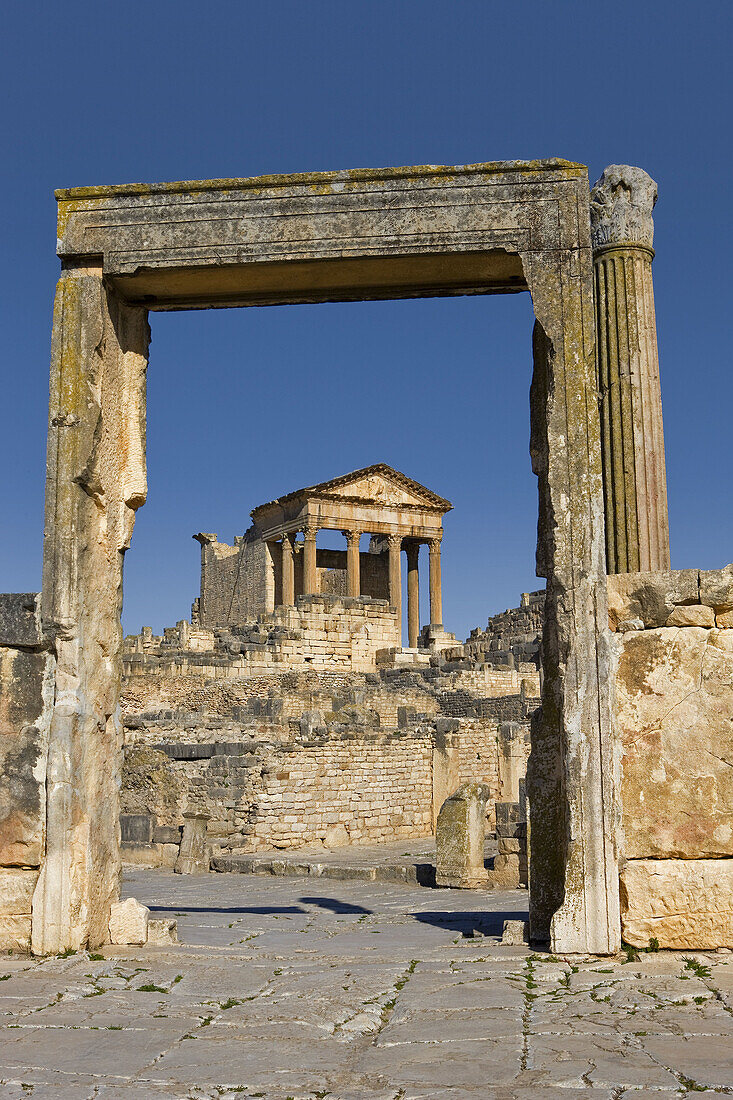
(376, 786)
(673, 649)
(26, 696)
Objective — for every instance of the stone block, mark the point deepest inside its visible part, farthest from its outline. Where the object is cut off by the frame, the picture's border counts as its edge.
(674, 715)
(18, 619)
(128, 922)
(694, 614)
(16, 891)
(162, 932)
(15, 932)
(683, 903)
(716, 588)
(650, 597)
(459, 838)
(505, 874)
(26, 696)
(194, 856)
(515, 933)
(136, 828)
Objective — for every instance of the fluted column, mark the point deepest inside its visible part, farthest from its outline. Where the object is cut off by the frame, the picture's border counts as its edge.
(413, 593)
(310, 577)
(395, 575)
(288, 572)
(632, 439)
(436, 593)
(353, 579)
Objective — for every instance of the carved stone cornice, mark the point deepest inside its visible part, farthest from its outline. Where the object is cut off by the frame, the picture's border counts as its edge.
(621, 204)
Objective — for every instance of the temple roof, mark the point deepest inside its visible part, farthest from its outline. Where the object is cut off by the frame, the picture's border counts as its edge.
(377, 484)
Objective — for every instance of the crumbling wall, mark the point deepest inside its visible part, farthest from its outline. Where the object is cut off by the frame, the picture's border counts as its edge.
(26, 699)
(673, 651)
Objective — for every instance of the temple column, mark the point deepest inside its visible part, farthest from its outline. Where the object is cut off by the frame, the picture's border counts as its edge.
(632, 440)
(353, 568)
(413, 593)
(395, 576)
(436, 594)
(288, 572)
(310, 576)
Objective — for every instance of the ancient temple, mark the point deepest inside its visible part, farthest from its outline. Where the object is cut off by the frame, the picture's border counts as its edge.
(277, 560)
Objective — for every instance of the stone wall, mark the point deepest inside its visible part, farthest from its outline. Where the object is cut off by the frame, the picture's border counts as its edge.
(282, 758)
(328, 632)
(244, 581)
(26, 698)
(673, 649)
(511, 638)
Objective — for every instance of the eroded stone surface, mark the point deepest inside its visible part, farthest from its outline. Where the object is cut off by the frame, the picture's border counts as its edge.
(459, 838)
(128, 922)
(674, 701)
(650, 596)
(682, 903)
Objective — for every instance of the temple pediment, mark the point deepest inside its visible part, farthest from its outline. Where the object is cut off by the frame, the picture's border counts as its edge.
(379, 485)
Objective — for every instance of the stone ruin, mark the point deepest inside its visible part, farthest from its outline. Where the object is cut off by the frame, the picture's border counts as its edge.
(309, 723)
(628, 781)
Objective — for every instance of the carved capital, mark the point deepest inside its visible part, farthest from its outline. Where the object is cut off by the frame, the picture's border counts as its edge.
(621, 205)
(352, 537)
(434, 545)
(309, 533)
(394, 540)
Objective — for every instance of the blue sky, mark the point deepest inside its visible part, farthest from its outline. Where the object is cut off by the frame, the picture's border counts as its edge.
(246, 404)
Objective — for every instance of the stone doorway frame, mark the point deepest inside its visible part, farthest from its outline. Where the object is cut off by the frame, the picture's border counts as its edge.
(360, 235)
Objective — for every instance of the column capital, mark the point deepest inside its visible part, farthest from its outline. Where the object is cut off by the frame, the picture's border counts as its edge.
(621, 204)
(394, 540)
(310, 530)
(352, 536)
(434, 543)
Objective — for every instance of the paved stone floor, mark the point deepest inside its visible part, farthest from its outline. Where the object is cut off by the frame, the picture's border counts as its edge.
(357, 991)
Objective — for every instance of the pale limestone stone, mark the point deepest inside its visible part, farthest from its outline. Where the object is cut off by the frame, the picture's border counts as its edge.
(650, 596)
(128, 922)
(683, 903)
(630, 624)
(695, 614)
(505, 874)
(716, 588)
(193, 857)
(336, 836)
(724, 620)
(674, 711)
(515, 933)
(459, 838)
(162, 932)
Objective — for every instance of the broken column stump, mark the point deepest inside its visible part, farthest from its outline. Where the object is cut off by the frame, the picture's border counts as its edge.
(193, 856)
(459, 838)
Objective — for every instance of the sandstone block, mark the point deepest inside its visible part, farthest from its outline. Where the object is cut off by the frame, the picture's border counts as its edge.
(650, 597)
(724, 620)
(695, 614)
(683, 903)
(162, 932)
(16, 891)
(128, 922)
(674, 715)
(15, 932)
(459, 838)
(505, 874)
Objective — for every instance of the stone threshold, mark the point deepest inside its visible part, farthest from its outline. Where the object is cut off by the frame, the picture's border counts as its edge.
(370, 865)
